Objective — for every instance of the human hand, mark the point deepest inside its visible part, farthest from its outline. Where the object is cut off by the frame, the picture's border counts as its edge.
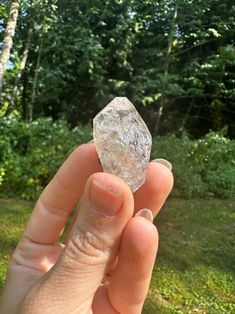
(105, 264)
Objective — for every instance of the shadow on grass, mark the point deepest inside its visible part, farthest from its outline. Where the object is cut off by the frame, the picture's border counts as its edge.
(151, 307)
(194, 271)
(7, 244)
(197, 235)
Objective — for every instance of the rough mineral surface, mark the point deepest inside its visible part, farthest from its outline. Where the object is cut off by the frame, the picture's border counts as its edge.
(123, 141)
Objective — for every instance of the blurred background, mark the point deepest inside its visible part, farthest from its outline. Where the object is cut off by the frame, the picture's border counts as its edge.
(62, 61)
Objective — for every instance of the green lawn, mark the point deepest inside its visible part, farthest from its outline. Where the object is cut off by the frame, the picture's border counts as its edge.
(195, 268)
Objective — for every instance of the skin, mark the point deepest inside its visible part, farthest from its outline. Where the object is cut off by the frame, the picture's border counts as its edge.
(105, 264)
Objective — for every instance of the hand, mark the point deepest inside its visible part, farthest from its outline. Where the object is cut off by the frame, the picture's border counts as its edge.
(105, 264)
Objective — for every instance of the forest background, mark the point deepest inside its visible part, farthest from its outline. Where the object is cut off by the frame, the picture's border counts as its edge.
(62, 61)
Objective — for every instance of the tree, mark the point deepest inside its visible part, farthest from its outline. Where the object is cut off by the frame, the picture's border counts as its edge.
(172, 32)
(8, 39)
(22, 65)
(172, 58)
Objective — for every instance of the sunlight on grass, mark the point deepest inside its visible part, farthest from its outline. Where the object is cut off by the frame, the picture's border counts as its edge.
(13, 216)
(194, 272)
(195, 268)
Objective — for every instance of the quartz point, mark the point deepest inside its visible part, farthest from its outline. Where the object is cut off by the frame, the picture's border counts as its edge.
(123, 142)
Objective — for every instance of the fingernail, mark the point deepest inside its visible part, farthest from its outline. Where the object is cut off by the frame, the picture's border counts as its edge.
(163, 162)
(146, 213)
(104, 200)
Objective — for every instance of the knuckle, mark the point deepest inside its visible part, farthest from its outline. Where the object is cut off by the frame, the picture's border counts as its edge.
(89, 247)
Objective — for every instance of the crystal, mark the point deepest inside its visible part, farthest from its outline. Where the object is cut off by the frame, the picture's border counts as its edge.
(123, 142)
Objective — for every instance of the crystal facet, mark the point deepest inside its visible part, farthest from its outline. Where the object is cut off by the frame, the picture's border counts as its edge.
(123, 141)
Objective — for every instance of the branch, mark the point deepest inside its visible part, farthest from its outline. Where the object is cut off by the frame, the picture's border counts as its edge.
(197, 45)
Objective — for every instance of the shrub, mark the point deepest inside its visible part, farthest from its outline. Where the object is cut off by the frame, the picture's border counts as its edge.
(30, 154)
(202, 168)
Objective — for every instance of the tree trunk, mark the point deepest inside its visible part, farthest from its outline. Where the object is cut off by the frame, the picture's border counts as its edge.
(159, 114)
(8, 39)
(21, 69)
(24, 102)
(166, 67)
(186, 116)
(35, 81)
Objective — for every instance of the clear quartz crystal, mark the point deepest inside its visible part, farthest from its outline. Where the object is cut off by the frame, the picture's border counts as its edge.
(123, 142)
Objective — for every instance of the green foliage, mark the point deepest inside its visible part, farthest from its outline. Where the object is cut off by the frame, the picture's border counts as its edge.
(30, 154)
(202, 168)
(83, 53)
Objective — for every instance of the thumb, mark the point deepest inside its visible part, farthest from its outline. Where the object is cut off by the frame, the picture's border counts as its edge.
(106, 207)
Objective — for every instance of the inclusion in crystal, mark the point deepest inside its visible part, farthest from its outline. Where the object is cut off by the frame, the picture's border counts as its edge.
(123, 142)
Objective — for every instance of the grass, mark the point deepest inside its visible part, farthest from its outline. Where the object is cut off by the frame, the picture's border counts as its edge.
(195, 268)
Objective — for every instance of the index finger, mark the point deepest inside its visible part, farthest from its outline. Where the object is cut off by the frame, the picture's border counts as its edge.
(59, 198)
